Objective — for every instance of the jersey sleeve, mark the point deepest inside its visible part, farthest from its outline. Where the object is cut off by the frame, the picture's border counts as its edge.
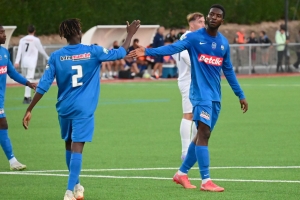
(40, 48)
(169, 49)
(230, 75)
(104, 54)
(18, 58)
(47, 78)
(12, 73)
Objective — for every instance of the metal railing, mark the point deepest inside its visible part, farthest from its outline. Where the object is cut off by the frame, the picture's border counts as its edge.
(262, 57)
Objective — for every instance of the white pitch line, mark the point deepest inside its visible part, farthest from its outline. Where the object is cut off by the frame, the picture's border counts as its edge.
(148, 177)
(170, 168)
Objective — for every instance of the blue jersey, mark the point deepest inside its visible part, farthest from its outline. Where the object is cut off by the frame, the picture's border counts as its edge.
(77, 72)
(208, 56)
(6, 67)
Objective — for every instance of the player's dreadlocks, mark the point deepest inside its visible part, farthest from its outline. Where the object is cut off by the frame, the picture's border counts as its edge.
(69, 28)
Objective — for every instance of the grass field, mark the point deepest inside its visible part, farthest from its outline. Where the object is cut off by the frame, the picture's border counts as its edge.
(136, 147)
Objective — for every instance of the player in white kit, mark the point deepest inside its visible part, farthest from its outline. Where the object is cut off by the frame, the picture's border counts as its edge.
(28, 51)
(187, 128)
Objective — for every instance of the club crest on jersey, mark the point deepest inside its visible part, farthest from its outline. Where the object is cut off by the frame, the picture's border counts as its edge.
(3, 69)
(211, 60)
(84, 56)
(105, 51)
(205, 115)
(222, 47)
(213, 45)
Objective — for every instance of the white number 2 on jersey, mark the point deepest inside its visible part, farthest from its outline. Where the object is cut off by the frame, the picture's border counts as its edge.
(76, 76)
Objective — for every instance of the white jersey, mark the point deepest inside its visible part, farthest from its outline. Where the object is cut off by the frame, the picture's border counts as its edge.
(29, 48)
(183, 63)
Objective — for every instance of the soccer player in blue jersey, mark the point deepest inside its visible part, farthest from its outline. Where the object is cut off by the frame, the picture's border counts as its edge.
(209, 53)
(6, 68)
(76, 68)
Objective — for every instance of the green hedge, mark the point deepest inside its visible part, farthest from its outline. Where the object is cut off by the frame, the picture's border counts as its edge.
(47, 14)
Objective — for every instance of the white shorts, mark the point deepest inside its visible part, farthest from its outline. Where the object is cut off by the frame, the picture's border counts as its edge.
(28, 73)
(184, 87)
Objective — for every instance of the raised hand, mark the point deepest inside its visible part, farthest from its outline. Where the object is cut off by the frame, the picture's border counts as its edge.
(133, 27)
(244, 105)
(137, 52)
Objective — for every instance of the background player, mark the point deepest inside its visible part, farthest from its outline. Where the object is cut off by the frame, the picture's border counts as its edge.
(187, 128)
(28, 52)
(6, 68)
(209, 53)
(76, 69)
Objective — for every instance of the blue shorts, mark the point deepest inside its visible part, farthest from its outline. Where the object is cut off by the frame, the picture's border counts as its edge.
(77, 130)
(159, 59)
(206, 112)
(2, 113)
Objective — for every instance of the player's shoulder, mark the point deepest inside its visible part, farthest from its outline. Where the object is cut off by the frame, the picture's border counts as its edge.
(223, 38)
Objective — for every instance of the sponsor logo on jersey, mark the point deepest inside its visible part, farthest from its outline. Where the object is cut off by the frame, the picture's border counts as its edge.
(1, 111)
(213, 45)
(84, 56)
(210, 60)
(205, 115)
(3, 69)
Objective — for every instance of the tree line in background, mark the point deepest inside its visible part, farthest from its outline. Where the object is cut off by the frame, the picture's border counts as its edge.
(46, 15)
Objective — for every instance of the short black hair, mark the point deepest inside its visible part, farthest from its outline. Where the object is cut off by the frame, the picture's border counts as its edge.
(220, 7)
(136, 40)
(69, 28)
(30, 28)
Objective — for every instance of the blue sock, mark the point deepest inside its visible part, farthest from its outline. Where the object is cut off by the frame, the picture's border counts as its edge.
(203, 161)
(68, 159)
(6, 144)
(189, 160)
(75, 168)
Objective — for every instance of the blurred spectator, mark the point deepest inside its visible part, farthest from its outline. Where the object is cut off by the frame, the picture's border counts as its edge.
(168, 59)
(106, 70)
(280, 39)
(158, 41)
(181, 32)
(171, 36)
(296, 64)
(239, 39)
(264, 39)
(253, 40)
(117, 65)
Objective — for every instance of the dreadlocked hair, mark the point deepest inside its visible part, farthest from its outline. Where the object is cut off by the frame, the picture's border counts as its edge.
(69, 28)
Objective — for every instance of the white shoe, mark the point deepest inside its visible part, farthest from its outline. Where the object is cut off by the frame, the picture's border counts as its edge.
(69, 196)
(17, 166)
(78, 192)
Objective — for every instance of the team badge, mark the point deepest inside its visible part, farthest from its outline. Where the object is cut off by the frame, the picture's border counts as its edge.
(105, 51)
(5, 56)
(213, 45)
(222, 47)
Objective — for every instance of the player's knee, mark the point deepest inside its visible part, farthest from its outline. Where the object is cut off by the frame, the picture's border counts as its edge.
(3, 124)
(203, 131)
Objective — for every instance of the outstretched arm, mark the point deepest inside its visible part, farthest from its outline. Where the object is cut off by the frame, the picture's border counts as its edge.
(161, 51)
(131, 30)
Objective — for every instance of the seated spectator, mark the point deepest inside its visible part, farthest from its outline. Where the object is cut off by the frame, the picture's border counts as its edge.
(118, 64)
(132, 63)
(171, 36)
